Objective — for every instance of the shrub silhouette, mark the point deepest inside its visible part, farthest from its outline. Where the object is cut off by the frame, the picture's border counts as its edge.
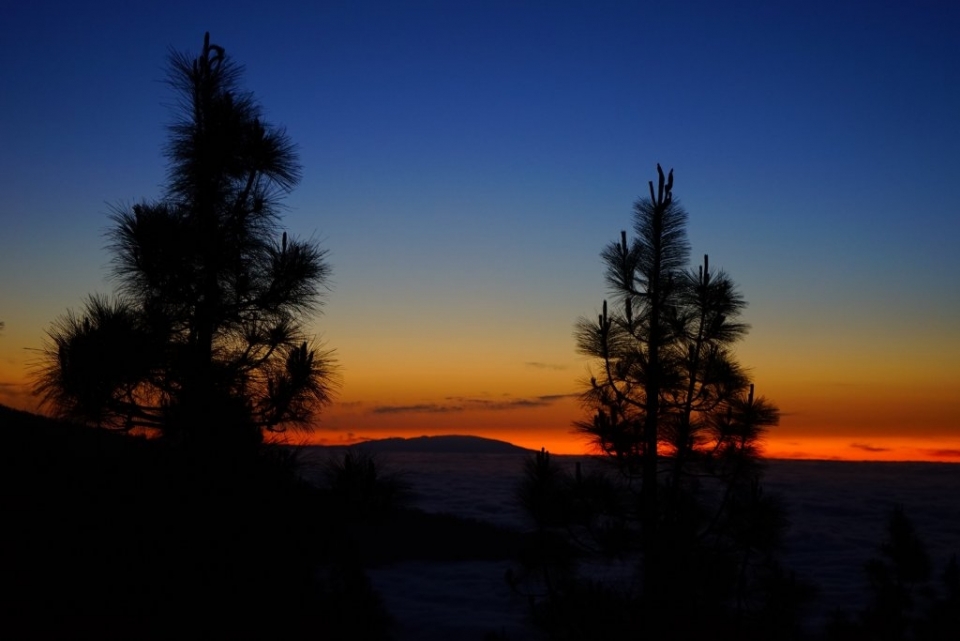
(903, 604)
(361, 488)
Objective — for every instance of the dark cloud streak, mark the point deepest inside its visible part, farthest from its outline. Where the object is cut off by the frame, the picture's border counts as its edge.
(942, 453)
(869, 448)
(425, 408)
(539, 365)
(462, 404)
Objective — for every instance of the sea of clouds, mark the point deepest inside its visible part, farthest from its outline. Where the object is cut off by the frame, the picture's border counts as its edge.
(838, 514)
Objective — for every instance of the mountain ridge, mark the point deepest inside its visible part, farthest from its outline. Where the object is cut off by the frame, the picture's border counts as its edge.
(445, 443)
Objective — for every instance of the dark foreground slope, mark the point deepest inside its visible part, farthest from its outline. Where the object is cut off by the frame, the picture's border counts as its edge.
(110, 536)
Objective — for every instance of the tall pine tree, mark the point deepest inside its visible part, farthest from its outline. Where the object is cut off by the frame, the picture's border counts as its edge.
(674, 410)
(205, 340)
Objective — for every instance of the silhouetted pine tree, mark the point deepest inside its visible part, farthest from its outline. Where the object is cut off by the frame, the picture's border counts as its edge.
(903, 604)
(677, 414)
(205, 339)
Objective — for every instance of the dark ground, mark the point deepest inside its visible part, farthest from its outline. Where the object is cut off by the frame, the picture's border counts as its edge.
(110, 536)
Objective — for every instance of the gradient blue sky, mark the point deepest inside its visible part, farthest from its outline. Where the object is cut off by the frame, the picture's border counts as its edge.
(465, 163)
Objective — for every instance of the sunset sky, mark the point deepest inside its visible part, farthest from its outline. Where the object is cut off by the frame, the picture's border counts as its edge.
(465, 162)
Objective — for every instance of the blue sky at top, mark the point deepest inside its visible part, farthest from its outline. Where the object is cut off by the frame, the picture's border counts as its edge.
(465, 163)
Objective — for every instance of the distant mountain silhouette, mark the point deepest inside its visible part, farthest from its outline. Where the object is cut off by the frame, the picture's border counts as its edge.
(452, 444)
(30, 429)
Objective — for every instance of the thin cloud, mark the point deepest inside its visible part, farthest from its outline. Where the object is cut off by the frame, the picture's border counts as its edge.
(540, 365)
(466, 403)
(490, 404)
(869, 448)
(468, 399)
(14, 393)
(518, 402)
(800, 454)
(514, 403)
(345, 439)
(423, 408)
(552, 398)
(943, 453)
(803, 455)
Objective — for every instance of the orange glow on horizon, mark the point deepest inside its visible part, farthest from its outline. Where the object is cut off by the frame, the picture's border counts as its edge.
(802, 434)
(545, 421)
(838, 448)
(864, 448)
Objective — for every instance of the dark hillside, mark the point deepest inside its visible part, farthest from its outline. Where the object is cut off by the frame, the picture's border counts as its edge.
(110, 536)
